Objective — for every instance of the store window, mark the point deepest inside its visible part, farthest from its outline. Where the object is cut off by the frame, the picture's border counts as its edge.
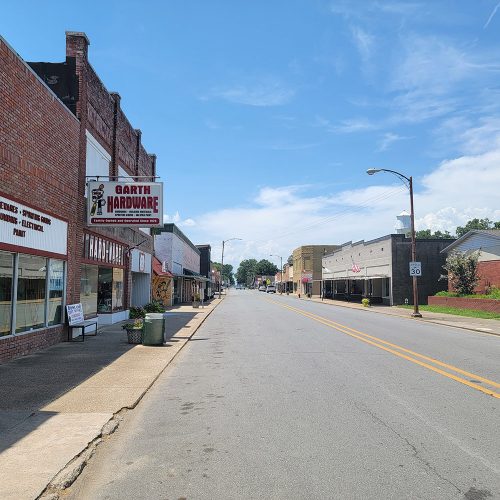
(6, 273)
(88, 289)
(117, 298)
(104, 289)
(56, 290)
(31, 286)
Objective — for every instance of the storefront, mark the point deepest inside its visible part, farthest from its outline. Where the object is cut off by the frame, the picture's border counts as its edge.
(379, 270)
(102, 282)
(141, 277)
(33, 252)
(162, 284)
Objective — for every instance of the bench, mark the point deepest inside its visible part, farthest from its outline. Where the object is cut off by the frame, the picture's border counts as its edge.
(76, 319)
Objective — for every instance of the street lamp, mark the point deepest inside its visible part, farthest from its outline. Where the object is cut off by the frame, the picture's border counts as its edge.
(222, 263)
(281, 270)
(408, 182)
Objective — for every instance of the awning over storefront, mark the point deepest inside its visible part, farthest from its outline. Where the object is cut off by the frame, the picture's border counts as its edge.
(157, 269)
(357, 278)
(192, 275)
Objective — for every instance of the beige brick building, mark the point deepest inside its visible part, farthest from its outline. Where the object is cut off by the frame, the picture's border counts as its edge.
(307, 262)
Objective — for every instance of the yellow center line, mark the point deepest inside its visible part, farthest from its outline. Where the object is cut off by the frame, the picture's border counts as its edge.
(377, 342)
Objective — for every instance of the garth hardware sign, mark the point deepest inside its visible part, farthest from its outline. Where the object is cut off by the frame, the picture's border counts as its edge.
(26, 227)
(125, 204)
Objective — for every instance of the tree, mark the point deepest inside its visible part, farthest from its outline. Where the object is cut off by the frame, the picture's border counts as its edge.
(266, 268)
(476, 224)
(227, 273)
(246, 271)
(428, 234)
(462, 271)
(290, 261)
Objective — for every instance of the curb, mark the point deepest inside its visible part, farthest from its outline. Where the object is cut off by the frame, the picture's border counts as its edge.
(70, 472)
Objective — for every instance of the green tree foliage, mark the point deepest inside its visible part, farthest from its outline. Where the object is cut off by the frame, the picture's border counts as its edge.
(266, 268)
(227, 273)
(290, 260)
(428, 234)
(246, 271)
(477, 224)
(461, 230)
(462, 271)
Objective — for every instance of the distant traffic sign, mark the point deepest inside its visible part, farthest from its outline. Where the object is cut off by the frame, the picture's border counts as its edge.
(415, 269)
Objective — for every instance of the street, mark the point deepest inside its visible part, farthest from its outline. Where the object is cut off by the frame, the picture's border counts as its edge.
(276, 397)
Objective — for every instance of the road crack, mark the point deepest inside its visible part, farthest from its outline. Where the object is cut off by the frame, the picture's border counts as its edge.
(414, 449)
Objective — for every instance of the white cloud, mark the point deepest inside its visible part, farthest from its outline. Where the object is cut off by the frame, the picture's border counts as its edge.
(470, 137)
(262, 93)
(434, 77)
(388, 139)
(176, 219)
(364, 42)
(280, 219)
(354, 125)
(492, 15)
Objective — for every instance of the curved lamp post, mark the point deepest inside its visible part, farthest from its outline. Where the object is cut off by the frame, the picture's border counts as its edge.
(281, 269)
(222, 263)
(408, 182)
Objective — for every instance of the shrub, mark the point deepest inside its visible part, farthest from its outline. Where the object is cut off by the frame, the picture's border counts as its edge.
(135, 325)
(444, 293)
(462, 271)
(154, 307)
(137, 312)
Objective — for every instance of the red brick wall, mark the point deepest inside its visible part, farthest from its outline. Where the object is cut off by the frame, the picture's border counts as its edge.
(24, 344)
(43, 160)
(103, 118)
(489, 274)
(39, 157)
(466, 303)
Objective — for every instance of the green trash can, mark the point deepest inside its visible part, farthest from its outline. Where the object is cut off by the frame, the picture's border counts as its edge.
(154, 328)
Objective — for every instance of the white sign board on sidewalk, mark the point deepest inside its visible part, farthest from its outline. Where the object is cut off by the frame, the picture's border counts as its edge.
(415, 269)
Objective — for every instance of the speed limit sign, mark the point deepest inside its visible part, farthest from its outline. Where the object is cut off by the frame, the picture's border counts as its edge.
(415, 269)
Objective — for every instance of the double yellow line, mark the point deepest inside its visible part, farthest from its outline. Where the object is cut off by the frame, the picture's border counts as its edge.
(404, 353)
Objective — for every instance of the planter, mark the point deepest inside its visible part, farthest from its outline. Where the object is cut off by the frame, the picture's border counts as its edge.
(489, 305)
(134, 335)
(196, 305)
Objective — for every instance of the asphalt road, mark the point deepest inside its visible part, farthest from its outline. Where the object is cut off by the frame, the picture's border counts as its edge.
(282, 398)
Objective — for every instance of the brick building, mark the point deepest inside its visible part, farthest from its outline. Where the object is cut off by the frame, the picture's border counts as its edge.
(58, 126)
(487, 243)
(307, 268)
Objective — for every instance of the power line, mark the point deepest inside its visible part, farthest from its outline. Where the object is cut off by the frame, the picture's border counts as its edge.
(346, 211)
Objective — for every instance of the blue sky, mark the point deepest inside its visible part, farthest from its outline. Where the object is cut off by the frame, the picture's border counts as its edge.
(265, 115)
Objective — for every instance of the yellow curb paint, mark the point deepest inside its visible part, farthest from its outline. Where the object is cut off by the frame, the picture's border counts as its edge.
(375, 341)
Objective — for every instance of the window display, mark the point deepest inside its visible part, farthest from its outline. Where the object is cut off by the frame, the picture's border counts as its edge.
(31, 284)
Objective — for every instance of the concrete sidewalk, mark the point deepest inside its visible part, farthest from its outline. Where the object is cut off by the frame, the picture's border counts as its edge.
(57, 404)
(491, 326)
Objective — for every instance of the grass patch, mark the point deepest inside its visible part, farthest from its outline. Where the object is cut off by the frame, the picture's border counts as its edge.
(457, 311)
(493, 295)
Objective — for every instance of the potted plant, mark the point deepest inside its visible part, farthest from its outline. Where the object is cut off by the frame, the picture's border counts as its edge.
(134, 331)
(196, 300)
(365, 302)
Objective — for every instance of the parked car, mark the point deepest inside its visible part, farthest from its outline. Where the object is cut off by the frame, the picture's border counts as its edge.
(262, 288)
(271, 289)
